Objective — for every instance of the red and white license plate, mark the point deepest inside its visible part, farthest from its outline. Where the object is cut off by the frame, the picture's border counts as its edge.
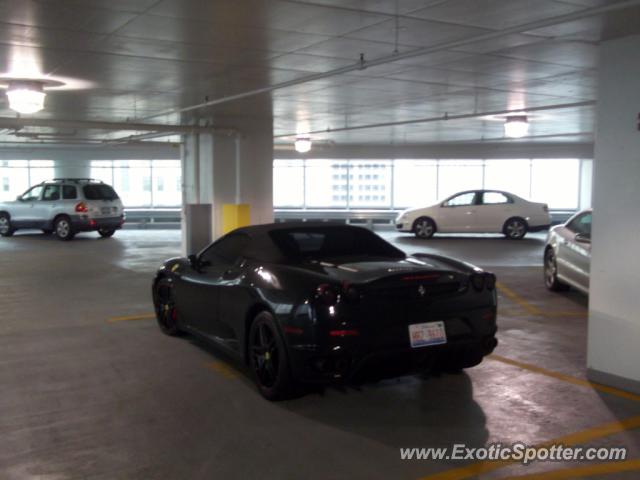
(427, 334)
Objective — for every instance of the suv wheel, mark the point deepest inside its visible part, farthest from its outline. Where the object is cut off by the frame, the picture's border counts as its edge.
(106, 232)
(6, 230)
(63, 228)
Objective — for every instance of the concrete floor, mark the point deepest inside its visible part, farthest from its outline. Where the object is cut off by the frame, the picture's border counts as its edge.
(90, 388)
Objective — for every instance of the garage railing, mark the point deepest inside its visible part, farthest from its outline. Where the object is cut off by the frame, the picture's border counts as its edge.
(158, 218)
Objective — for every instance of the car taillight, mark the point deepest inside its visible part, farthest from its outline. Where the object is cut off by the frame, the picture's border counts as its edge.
(327, 294)
(350, 293)
(82, 208)
(490, 281)
(481, 280)
(477, 280)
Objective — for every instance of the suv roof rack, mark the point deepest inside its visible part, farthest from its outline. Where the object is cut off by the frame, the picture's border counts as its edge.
(77, 180)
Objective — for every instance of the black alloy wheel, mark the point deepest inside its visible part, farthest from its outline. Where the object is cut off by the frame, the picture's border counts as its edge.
(166, 312)
(268, 358)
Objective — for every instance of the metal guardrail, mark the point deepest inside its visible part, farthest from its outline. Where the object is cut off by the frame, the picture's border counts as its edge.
(371, 217)
(170, 217)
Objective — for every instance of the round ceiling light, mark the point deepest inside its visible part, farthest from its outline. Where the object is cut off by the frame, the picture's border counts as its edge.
(302, 144)
(26, 96)
(516, 126)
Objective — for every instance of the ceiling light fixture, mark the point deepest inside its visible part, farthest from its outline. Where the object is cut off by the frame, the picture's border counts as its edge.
(26, 96)
(302, 144)
(516, 126)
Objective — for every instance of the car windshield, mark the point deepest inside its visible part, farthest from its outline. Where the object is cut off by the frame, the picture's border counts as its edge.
(99, 192)
(332, 242)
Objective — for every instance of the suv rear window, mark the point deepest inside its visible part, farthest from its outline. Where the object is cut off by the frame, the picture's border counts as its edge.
(99, 192)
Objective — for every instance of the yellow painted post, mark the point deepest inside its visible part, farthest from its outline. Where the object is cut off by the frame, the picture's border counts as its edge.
(235, 215)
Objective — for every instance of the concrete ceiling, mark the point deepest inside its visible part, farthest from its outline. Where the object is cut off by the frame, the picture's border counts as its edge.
(136, 58)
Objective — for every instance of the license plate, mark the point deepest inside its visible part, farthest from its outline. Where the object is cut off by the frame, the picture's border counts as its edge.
(105, 210)
(427, 334)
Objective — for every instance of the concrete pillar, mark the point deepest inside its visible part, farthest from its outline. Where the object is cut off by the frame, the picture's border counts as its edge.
(614, 323)
(72, 169)
(219, 170)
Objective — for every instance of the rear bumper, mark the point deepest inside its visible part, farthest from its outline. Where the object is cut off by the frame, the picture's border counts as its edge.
(83, 223)
(362, 358)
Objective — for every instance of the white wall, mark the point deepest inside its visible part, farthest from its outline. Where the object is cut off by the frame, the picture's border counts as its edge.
(614, 321)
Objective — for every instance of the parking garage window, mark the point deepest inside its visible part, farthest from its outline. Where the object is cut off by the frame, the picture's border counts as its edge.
(319, 183)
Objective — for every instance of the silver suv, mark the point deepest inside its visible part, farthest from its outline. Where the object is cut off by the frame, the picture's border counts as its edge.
(65, 206)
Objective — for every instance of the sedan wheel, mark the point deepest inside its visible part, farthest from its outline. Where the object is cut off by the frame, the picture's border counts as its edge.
(551, 272)
(166, 312)
(515, 228)
(5, 226)
(106, 232)
(424, 228)
(63, 229)
(268, 358)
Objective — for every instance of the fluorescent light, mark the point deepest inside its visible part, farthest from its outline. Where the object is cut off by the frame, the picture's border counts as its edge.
(26, 97)
(303, 145)
(516, 126)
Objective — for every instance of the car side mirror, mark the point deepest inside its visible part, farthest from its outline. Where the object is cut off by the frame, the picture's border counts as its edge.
(193, 261)
(582, 238)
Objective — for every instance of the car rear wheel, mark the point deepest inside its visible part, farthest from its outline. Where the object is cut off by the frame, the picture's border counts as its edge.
(165, 306)
(424, 228)
(268, 358)
(515, 228)
(106, 232)
(551, 272)
(64, 230)
(6, 230)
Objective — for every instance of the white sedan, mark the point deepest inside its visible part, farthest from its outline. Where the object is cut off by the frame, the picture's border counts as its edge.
(477, 211)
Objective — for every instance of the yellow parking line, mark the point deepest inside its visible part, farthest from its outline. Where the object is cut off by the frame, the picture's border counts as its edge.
(582, 472)
(514, 297)
(532, 309)
(566, 378)
(576, 438)
(223, 369)
(127, 318)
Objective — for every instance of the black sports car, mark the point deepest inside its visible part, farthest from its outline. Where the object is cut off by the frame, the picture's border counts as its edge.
(319, 303)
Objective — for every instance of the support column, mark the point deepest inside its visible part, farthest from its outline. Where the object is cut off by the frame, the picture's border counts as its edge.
(219, 170)
(614, 322)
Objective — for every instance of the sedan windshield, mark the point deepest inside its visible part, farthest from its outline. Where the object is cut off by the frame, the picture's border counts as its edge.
(331, 242)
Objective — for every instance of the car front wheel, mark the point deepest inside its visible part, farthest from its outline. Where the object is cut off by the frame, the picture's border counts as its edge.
(6, 230)
(268, 358)
(165, 306)
(64, 230)
(551, 272)
(515, 228)
(424, 228)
